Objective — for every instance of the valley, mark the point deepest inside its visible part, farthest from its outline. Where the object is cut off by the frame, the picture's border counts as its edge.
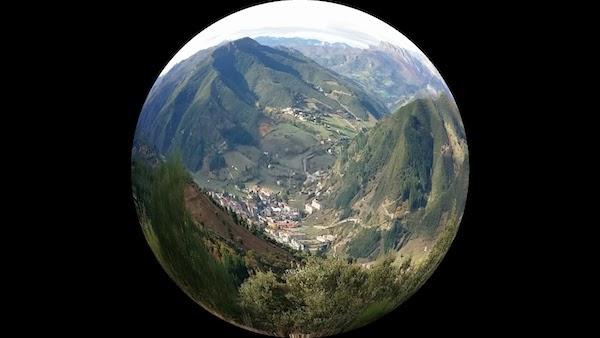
(275, 186)
(300, 152)
(341, 208)
(291, 185)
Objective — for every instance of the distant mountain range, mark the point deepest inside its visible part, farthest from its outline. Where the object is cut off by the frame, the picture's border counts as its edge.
(219, 97)
(393, 74)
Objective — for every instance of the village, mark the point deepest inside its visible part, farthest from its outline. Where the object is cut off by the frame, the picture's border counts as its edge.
(318, 117)
(269, 213)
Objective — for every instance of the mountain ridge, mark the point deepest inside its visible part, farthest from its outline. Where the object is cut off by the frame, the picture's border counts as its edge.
(392, 73)
(198, 102)
(419, 151)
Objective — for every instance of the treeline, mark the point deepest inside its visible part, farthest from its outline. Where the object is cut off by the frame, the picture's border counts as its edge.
(324, 297)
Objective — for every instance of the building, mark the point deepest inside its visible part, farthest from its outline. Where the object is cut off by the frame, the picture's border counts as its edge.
(308, 208)
(315, 204)
(325, 238)
(284, 236)
(296, 245)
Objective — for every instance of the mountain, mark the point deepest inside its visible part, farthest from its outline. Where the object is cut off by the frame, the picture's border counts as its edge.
(394, 74)
(407, 175)
(218, 99)
(292, 42)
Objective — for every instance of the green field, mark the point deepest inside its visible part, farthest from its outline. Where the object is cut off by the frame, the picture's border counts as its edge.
(238, 160)
(286, 139)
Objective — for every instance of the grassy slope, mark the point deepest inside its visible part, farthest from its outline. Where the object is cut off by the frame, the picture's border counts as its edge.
(387, 74)
(406, 151)
(410, 285)
(218, 95)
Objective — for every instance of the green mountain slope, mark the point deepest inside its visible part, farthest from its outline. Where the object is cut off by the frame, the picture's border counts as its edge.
(391, 73)
(217, 99)
(410, 170)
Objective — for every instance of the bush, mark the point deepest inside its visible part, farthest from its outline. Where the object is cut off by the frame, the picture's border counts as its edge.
(323, 297)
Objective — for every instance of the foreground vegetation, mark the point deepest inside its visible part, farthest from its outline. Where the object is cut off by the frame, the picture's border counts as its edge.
(321, 296)
(178, 243)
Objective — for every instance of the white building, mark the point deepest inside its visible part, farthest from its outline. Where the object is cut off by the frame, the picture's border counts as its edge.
(284, 237)
(325, 238)
(316, 205)
(308, 208)
(296, 245)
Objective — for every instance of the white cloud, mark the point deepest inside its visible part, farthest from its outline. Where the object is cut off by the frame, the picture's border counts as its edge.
(296, 18)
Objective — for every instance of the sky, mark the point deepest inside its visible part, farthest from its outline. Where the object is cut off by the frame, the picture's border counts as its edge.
(309, 19)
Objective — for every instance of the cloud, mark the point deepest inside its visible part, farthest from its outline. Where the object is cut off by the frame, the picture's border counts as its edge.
(323, 21)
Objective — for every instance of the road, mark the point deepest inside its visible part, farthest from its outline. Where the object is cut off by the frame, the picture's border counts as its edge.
(322, 227)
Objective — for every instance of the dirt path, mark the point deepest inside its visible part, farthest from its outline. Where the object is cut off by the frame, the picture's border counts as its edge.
(324, 227)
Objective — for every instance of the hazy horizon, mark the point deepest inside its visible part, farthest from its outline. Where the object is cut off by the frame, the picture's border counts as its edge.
(306, 19)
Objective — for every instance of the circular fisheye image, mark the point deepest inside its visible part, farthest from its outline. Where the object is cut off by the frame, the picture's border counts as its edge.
(299, 168)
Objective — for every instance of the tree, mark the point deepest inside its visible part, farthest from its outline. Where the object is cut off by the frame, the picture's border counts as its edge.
(324, 296)
(330, 292)
(264, 299)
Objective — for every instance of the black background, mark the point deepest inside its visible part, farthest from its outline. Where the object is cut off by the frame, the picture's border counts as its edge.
(481, 287)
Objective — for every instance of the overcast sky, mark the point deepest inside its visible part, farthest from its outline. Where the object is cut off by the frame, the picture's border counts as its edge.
(323, 21)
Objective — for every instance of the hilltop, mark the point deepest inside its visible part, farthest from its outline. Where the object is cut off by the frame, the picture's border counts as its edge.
(392, 74)
(222, 98)
(405, 176)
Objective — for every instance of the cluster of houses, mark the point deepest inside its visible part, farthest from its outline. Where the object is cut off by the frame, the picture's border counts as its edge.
(244, 209)
(303, 115)
(266, 211)
(313, 188)
(271, 210)
(317, 117)
(298, 241)
(325, 238)
(260, 206)
(290, 238)
(309, 208)
(274, 217)
(319, 243)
